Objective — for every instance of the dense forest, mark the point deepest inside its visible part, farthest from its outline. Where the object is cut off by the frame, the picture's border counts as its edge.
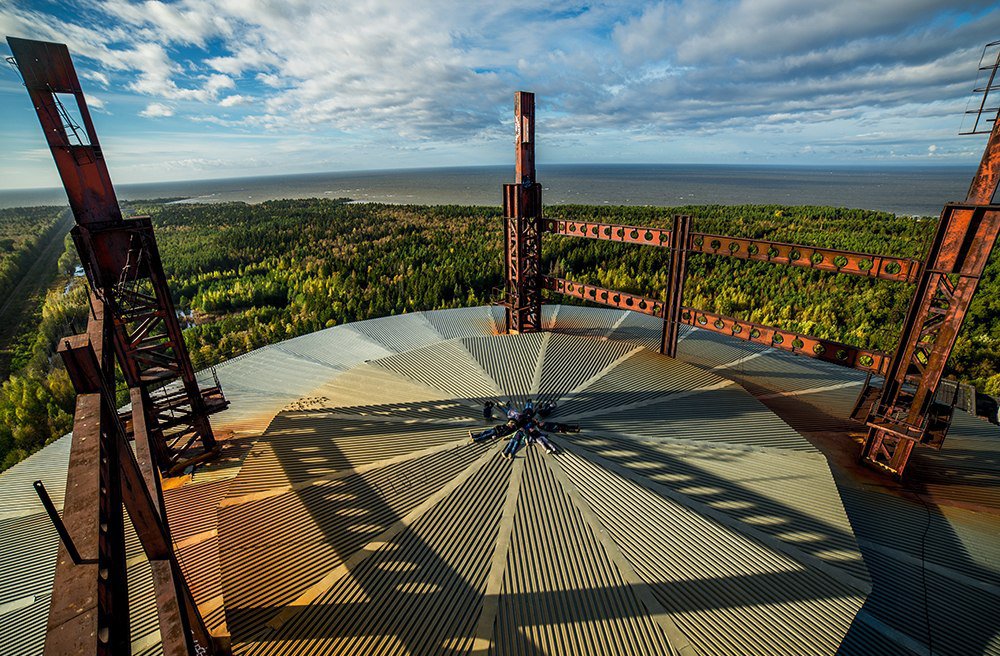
(249, 275)
(21, 231)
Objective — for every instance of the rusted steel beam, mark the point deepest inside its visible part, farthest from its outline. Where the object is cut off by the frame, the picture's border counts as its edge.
(89, 609)
(797, 343)
(603, 296)
(899, 269)
(868, 265)
(524, 138)
(905, 412)
(120, 256)
(47, 70)
(813, 347)
(627, 234)
(675, 288)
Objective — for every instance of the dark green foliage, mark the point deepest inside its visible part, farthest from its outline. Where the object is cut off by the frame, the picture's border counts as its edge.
(22, 229)
(256, 274)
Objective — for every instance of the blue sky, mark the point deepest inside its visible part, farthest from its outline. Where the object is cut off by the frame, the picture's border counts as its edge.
(206, 89)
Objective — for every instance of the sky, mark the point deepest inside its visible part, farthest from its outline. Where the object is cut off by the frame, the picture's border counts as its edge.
(197, 89)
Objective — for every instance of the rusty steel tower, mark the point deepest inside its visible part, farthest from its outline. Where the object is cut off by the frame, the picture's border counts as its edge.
(122, 262)
(133, 323)
(906, 410)
(522, 227)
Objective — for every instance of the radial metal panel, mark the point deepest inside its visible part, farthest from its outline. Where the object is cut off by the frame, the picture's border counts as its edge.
(728, 592)
(569, 362)
(510, 360)
(463, 322)
(289, 519)
(399, 333)
(18, 497)
(447, 366)
(717, 416)
(555, 601)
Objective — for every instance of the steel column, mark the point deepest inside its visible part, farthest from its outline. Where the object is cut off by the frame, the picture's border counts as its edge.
(522, 208)
(125, 479)
(675, 286)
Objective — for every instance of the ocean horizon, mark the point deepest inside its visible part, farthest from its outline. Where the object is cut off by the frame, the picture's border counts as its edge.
(906, 190)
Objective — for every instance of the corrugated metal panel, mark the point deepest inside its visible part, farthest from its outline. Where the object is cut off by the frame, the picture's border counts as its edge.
(510, 360)
(302, 446)
(446, 366)
(399, 333)
(561, 592)
(967, 469)
(707, 349)
(499, 313)
(640, 329)
(749, 540)
(725, 416)
(587, 321)
(17, 494)
(28, 547)
(642, 377)
(463, 322)
(375, 390)
(144, 622)
(22, 631)
(727, 592)
(191, 510)
(338, 347)
(274, 549)
(550, 314)
(419, 593)
(571, 361)
(791, 498)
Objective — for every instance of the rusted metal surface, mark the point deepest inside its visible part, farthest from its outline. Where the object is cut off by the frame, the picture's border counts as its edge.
(825, 259)
(47, 70)
(906, 412)
(122, 262)
(522, 210)
(610, 232)
(813, 347)
(104, 475)
(89, 611)
(868, 265)
(603, 296)
(675, 288)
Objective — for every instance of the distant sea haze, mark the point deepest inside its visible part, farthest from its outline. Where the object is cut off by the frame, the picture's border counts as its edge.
(910, 190)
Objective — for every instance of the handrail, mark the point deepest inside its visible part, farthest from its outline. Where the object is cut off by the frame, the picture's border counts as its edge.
(827, 350)
(869, 265)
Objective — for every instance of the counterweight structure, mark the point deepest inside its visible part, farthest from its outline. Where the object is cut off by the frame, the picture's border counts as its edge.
(123, 265)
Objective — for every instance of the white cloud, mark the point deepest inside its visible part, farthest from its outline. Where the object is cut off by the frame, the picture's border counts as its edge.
(236, 99)
(441, 72)
(97, 76)
(157, 110)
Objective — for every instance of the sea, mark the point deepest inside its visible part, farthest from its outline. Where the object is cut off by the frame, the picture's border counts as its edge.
(909, 190)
